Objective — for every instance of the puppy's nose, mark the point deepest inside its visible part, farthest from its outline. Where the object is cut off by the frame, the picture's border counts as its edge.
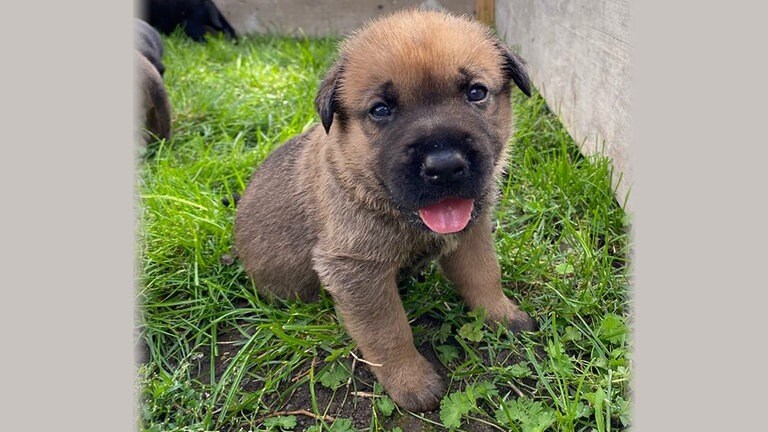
(444, 166)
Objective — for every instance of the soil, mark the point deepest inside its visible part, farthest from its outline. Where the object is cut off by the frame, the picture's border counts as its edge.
(351, 401)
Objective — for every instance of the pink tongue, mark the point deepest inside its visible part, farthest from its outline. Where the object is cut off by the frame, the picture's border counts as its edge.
(447, 216)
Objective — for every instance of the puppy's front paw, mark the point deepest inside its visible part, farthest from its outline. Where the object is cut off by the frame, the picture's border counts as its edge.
(515, 319)
(413, 384)
(520, 322)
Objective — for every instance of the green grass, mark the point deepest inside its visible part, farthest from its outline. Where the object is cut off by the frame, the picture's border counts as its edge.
(219, 357)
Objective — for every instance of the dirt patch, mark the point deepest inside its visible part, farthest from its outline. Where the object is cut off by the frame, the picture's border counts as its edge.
(340, 403)
(354, 399)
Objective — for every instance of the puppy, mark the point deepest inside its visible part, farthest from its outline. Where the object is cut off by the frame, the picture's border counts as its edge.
(195, 16)
(148, 43)
(154, 108)
(416, 117)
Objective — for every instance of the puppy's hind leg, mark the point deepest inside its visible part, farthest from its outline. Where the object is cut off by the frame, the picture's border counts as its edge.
(288, 284)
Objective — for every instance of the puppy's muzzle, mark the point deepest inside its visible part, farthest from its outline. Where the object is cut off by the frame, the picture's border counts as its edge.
(444, 167)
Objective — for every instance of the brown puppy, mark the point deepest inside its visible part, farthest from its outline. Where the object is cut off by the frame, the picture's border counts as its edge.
(154, 108)
(416, 118)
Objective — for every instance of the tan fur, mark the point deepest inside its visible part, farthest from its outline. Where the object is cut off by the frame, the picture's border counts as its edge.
(154, 116)
(317, 213)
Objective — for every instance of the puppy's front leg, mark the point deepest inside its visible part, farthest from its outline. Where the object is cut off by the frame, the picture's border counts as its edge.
(365, 293)
(474, 268)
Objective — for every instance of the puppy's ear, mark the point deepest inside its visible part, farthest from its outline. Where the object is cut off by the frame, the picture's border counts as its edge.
(325, 101)
(514, 68)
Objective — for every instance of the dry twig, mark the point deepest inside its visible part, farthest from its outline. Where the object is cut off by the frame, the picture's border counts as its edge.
(365, 361)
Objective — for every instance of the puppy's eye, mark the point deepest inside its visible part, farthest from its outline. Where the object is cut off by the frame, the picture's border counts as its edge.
(380, 111)
(477, 93)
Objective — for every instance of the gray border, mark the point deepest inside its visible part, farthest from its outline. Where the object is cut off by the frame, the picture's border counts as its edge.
(66, 176)
(699, 91)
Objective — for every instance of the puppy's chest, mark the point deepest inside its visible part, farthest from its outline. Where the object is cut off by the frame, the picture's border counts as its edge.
(424, 249)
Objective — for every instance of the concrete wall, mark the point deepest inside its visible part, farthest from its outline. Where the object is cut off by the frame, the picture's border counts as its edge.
(319, 17)
(579, 58)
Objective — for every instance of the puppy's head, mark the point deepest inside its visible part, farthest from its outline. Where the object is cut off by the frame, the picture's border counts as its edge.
(418, 108)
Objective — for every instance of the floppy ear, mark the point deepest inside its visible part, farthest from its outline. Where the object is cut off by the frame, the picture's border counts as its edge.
(514, 68)
(325, 101)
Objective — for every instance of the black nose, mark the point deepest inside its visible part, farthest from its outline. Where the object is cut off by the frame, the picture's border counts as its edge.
(444, 166)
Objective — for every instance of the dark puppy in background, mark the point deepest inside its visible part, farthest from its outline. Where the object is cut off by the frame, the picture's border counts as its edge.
(147, 41)
(416, 119)
(153, 115)
(196, 17)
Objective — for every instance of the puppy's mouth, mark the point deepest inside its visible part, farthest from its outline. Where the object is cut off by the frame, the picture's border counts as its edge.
(447, 216)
